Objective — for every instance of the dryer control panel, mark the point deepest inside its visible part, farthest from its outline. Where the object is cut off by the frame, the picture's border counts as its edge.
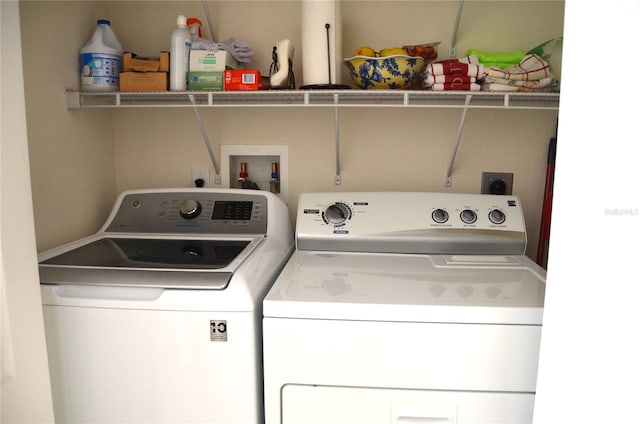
(411, 222)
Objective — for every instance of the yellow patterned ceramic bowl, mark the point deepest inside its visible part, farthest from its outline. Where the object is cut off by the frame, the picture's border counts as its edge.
(397, 72)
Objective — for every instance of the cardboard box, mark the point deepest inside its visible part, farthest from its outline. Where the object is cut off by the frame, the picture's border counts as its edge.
(144, 81)
(209, 61)
(243, 80)
(133, 62)
(213, 81)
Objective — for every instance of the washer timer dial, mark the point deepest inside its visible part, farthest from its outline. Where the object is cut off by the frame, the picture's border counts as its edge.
(337, 214)
(190, 209)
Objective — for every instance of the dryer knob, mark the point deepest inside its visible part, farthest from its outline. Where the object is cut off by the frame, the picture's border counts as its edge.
(468, 216)
(497, 216)
(336, 214)
(190, 209)
(440, 216)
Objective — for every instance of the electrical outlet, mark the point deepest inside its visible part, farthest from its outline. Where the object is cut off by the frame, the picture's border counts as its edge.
(200, 173)
(497, 183)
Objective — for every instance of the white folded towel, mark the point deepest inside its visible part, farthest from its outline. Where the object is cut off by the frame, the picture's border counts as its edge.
(240, 50)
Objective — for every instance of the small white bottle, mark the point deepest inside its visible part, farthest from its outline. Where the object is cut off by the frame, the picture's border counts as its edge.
(179, 59)
(101, 60)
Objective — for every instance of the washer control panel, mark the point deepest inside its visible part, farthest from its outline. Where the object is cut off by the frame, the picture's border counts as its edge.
(411, 222)
(191, 211)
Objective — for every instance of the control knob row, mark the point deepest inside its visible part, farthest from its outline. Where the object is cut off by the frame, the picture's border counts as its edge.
(468, 216)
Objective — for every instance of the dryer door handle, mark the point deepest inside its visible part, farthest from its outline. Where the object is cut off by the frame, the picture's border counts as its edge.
(424, 414)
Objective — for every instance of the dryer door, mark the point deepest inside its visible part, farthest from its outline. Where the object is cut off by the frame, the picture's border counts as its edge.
(361, 405)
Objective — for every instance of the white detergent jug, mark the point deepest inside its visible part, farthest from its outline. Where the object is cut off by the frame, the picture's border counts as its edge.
(101, 60)
(179, 56)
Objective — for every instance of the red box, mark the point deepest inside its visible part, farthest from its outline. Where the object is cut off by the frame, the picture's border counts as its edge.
(243, 80)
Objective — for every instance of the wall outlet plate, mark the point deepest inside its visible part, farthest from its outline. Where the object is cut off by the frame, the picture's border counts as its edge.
(200, 172)
(497, 183)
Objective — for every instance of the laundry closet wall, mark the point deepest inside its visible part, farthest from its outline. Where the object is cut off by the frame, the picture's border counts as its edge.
(81, 159)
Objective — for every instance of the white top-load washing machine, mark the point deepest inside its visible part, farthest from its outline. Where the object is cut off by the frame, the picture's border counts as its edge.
(404, 308)
(157, 317)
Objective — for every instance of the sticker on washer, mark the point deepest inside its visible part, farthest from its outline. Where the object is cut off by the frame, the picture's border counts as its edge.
(218, 331)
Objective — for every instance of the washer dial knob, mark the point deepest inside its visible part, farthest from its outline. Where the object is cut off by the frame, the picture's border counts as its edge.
(468, 216)
(337, 214)
(497, 216)
(439, 216)
(190, 209)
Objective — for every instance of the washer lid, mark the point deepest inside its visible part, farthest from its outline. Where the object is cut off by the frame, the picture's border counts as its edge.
(416, 288)
(148, 262)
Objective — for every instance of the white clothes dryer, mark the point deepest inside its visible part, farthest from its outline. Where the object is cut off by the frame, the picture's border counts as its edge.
(404, 308)
(157, 317)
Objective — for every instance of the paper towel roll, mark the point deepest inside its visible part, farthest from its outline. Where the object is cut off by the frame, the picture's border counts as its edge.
(316, 62)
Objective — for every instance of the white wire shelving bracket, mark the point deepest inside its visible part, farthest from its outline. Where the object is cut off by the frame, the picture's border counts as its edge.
(447, 177)
(207, 143)
(335, 99)
(456, 25)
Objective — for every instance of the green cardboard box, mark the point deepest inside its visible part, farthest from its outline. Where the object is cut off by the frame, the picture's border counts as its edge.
(205, 81)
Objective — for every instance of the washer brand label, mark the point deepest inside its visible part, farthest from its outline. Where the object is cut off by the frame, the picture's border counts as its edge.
(340, 231)
(218, 331)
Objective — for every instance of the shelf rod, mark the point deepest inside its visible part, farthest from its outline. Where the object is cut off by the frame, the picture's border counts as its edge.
(447, 178)
(203, 130)
(454, 37)
(338, 178)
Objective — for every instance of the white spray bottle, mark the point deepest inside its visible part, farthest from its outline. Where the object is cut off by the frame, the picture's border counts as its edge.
(179, 59)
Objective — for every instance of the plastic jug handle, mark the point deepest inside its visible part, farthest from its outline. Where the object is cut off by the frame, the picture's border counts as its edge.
(98, 34)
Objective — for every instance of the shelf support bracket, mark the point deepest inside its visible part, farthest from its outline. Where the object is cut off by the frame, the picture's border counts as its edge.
(454, 37)
(205, 136)
(447, 178)
(73, 99)
(338, 178)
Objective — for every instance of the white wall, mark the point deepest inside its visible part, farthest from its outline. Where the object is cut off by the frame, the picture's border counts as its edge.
(75, 153)
(589, 368)
(26, 392)
(71, 154)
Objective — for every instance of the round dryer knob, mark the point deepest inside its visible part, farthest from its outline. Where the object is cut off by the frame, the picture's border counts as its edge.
(468, 216)
(336, 214)
(440, 216)
(497, 216)
(190, 209)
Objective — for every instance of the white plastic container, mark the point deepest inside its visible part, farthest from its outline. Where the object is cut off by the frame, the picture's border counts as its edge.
(101, 60)
(179, 58)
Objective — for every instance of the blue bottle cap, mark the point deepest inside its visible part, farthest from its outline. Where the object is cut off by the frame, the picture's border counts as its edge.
(104, 22)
